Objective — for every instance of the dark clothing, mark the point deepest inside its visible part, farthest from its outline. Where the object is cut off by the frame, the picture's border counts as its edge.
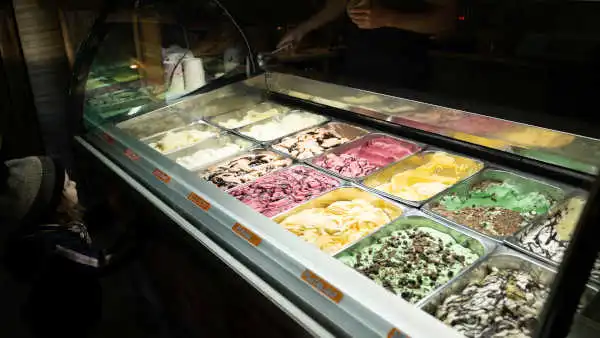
(63, 269)
(389, 56)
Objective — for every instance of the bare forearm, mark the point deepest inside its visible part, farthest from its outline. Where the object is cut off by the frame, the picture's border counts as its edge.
(437, 21)
(332, 10)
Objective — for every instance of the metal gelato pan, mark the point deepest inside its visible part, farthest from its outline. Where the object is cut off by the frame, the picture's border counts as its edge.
(387, 174)
(415, 219)
(503, 258)
(412, 147)
(210, 151)
(525, 185)
(335, 232)
(288, 145)
(152, 123)
(261, 111)
(547, 245)
(276, 127)
(275, 195)
(153, 141)
(225, 167)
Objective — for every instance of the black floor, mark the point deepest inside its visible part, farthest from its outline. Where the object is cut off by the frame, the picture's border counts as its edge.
(126, 312)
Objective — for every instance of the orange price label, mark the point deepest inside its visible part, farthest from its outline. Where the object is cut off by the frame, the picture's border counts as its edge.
(199, 201)
(161, 175)
(131, 155)
(395, 333)
(322, 286)
(108, 138)
(246, 234)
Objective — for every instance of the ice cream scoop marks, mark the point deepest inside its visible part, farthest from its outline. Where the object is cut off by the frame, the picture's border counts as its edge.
(496, 203)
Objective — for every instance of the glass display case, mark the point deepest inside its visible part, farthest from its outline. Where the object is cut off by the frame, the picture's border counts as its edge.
(377, 215)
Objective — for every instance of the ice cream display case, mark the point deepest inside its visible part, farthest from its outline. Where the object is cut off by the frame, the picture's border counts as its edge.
(372, 215)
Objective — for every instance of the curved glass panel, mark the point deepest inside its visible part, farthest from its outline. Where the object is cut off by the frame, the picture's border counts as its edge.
(156, 54)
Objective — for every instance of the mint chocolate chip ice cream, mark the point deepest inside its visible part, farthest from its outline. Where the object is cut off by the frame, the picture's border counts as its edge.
(493, 207)
(412, 262)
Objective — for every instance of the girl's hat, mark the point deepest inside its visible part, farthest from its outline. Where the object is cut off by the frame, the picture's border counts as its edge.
(32, 188)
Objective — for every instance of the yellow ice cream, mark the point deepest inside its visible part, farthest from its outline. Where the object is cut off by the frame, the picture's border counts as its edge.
(570, 217)
(340, 223)
(421, 177)
(537, 137)
(482, 141)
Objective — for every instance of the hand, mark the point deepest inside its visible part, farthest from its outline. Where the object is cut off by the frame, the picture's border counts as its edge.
(292, 38)
(371, 18)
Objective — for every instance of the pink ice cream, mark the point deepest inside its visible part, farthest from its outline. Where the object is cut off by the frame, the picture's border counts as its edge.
(366, 157)
(481, 125)
(280, 191)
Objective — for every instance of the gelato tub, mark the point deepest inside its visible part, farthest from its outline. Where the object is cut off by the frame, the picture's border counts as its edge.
(210, 151)
(339, 218)
(496, 203)
(283, 190)
(548, 239)
(245, 168)
(249, 115)
(283, 125)
(316, 141)
(180, 138)
(422, 176)
(414, 256)
(500, 297)
(152, 123)
(362, 157)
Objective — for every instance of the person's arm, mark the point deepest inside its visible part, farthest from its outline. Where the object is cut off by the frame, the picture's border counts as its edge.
(438, 20)
(331, 10)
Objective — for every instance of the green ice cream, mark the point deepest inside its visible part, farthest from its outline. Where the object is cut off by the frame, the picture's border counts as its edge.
(494, 207)
(412, 262)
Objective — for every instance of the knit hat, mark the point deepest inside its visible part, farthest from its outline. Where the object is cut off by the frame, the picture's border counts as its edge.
(33, 188)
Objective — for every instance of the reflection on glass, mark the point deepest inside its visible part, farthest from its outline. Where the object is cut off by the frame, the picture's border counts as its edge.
(549, 146)
(157, 54)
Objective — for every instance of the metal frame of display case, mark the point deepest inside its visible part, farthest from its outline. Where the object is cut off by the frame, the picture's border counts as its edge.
(340, 293)
(322, 294)
(348, 303)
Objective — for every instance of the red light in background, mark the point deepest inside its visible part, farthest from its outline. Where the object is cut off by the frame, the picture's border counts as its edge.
(461, 18)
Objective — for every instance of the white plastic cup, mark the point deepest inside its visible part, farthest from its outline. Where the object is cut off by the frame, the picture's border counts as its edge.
(193, 74)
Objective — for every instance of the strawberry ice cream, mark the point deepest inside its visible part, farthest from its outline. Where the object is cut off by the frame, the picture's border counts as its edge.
(280, 191)
(364, 157)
